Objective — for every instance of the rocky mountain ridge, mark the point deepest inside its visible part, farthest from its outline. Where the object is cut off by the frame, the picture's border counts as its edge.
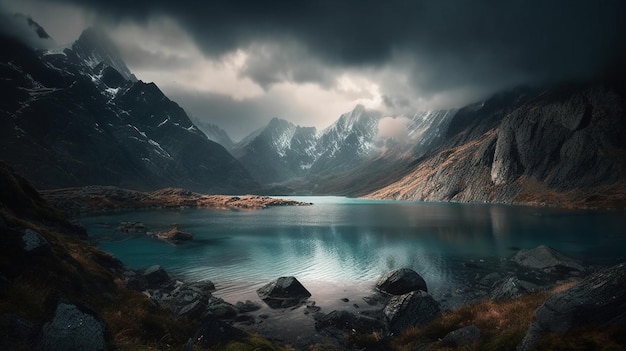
(78, 116)
(563, 146)
(282, 151)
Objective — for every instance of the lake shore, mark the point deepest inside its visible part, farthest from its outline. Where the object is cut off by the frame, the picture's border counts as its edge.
(97, 199)
(381, 316)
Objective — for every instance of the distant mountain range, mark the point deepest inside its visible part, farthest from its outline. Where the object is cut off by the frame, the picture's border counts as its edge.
(78, 116)
(282, 151)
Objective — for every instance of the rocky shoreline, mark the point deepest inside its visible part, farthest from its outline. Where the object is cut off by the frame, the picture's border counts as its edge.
(94, 199)
(399, 301)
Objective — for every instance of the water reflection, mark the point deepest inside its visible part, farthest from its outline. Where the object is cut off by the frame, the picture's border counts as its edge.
(357, 241)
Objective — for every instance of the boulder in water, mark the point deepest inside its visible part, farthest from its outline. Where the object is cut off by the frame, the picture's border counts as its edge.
(546, 258)
(400, 282)
(283, 292)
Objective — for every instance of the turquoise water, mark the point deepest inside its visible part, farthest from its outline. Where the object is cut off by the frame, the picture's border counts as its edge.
(341, 246)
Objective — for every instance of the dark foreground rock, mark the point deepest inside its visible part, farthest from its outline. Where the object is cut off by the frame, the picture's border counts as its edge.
(463, 337)
(74, 328)
(283, 292)
(34, 242)
(598, 300)
(348, 322)
(156, 277)
(213, 331)
(400, 282)
(414, 309)
(546, 258)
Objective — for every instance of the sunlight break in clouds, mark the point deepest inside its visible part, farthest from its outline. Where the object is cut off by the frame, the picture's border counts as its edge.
(162, 52)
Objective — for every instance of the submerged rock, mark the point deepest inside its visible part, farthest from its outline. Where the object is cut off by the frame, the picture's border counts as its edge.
(400, 282)
(132, 227)
(74, 327)
(283, 292)
(599, 300)
(173, 236)
(546, 258)
(414, 309)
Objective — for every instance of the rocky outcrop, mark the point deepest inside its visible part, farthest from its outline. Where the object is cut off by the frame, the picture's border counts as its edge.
(562, 146)
(34, 242)
(512, 288)
(598, 300)
(283, 292)
(400, 282)
(173, 236)
(77, 118)
(546, 258)
(93, 199)
(414, 309)
(74, 327)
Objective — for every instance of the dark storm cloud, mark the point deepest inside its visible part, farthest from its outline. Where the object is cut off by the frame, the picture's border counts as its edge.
(453, 42)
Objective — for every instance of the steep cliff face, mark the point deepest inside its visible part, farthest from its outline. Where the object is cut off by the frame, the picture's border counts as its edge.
(561, 146)
(79, 117)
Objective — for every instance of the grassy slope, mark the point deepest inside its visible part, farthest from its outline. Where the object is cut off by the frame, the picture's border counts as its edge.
(32, 284)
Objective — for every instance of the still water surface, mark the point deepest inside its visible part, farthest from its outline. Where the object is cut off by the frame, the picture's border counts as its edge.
(341, 246)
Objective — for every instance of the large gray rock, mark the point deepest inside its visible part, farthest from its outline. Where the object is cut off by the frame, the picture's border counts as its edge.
(74, 328)
(156, 277)
(33, 242)
(414, 309)
(400, 282)
(191, 300)
(600, 299)
(512, 288)
(546, 258)
(283, 292)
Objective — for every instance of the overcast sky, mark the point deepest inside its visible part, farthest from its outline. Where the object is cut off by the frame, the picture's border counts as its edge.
(240, 63)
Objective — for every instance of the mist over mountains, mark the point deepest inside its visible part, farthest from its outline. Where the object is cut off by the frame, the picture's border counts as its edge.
(78, 116)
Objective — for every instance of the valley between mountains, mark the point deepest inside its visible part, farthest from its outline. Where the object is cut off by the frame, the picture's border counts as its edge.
(77, 116)
(81, 135)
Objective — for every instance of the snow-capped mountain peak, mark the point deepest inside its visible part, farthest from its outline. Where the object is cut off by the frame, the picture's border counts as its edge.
(95, 47)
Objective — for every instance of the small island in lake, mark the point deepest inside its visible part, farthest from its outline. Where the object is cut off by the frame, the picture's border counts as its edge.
(92, 199)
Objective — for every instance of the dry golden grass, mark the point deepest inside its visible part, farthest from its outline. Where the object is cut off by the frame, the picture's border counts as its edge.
(534, 192)
(503, 324)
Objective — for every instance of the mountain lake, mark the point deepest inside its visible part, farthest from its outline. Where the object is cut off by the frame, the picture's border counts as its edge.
(338, 247)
